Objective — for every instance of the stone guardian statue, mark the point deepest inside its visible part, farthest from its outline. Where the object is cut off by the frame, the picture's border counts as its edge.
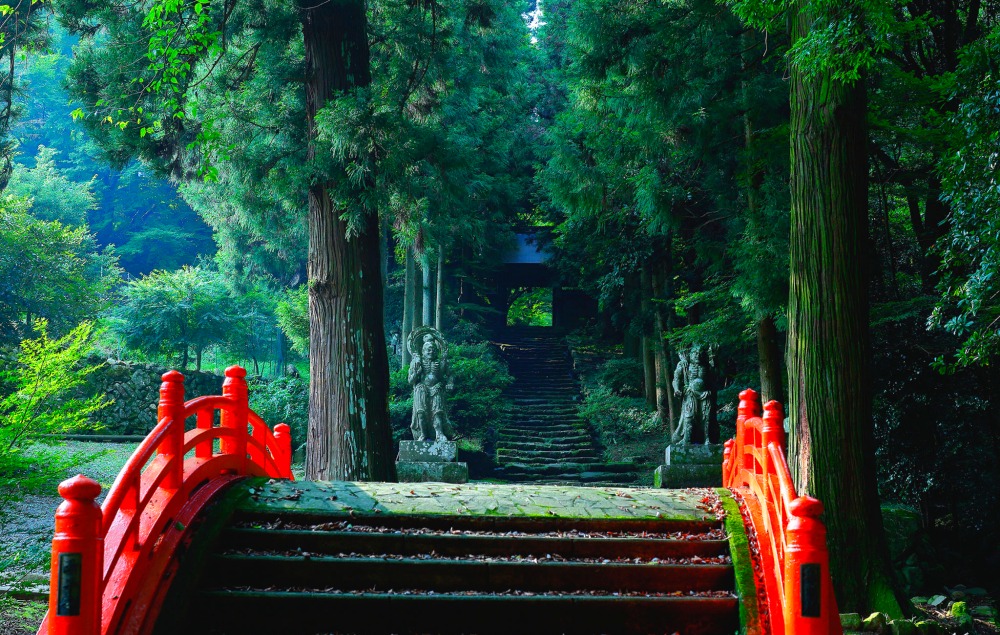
(692, 384)
(430, 377)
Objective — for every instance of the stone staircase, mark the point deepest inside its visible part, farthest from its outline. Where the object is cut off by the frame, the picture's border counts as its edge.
(270, 572)
(544, 439)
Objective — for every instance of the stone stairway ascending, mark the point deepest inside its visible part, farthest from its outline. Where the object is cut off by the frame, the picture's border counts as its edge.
(311, 558)
(545, 440)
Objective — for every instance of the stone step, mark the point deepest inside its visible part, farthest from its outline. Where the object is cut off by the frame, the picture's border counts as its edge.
(532, 421)
(544, 417)
(440, 575)
(506, 460)
(569, 468)
(509, 440)
(544, 431)
(448, 544)
(542, 393)
(544, 381)
(541, 443)
(590, 478)
(546, 413)
(259, 611)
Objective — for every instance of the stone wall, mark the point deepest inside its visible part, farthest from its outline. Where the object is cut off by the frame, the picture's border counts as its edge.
(135, 389)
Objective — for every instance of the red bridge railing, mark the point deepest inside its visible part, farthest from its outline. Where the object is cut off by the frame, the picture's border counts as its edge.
(104, 558)
(792, 539)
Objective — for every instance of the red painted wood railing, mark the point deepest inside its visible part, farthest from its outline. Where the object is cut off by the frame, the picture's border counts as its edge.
(792, 538)
(111, 565)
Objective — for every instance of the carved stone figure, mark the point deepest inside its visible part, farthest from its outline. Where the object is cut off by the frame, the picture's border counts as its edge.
(692, 383)
(430, 377)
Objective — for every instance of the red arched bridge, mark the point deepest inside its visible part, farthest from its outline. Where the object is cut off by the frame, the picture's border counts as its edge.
(203, 532)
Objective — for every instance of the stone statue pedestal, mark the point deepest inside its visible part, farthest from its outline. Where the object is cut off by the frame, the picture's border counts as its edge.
(690, 466)
(430, 461)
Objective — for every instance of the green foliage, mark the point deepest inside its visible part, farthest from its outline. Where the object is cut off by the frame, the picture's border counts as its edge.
(38, 400)
(20, 30)
(669, 160)
(477, 401)
(293, 318)
(624, 377)
(845, 39)
(53, 196)
(282, 400)
(970, 265)
(532, 307)
(48, 270)
(140, 214)
(173, 312)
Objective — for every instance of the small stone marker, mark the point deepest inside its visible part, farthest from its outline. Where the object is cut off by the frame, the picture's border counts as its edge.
(690, 466)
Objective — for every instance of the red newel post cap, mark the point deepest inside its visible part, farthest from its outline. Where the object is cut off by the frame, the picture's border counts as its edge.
(173, 376)
(80, 488)
(237, 372)
(774, 411)
(749, 405)
(806, 507)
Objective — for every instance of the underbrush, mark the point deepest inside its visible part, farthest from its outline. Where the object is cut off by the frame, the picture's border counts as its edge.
(282, 400)
(627, 428)
(21, 617)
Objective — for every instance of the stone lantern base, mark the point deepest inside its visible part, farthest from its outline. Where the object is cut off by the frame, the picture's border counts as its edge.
(430, 461)
(690, 466)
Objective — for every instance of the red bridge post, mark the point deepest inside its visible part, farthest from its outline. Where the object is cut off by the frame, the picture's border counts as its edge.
(809, 598)
(773, 429)
(748, 408)
(283, 436)
(171, 406)
(77, 561)
(235, 387)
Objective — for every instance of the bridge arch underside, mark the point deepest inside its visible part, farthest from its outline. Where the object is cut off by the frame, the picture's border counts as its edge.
(571, 307)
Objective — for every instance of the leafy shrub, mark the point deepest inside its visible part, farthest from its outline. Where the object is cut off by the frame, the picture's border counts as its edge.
(36, 401)
(477, 400)
(624, 377)
(618, 418)
(283, 400)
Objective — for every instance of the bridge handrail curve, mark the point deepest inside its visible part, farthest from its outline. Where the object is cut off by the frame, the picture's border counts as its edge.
(791, 537)
(138, 527)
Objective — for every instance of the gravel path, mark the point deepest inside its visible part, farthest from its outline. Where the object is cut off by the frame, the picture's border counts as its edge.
(28, 526)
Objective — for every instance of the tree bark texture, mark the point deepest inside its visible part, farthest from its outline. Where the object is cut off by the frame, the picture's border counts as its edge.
(408, 283)
(349, 436)
(831, 446)
(769, 358)
(439, 291)
(428, 300)
(662, 292)
(648, 341)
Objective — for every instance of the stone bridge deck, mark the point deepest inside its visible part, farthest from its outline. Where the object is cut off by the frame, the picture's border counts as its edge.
(481, 499)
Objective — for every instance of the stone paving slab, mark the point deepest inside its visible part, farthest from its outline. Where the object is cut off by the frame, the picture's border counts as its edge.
(476, 499)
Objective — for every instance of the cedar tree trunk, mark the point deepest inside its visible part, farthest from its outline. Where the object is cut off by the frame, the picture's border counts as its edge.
(349, 436)
(831, 447)
(439, 292)
(769, 360)
(408, 282)
(427, 304)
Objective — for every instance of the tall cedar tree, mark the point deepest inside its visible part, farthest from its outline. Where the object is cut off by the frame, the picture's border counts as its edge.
(349, 436)
(829, 348)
